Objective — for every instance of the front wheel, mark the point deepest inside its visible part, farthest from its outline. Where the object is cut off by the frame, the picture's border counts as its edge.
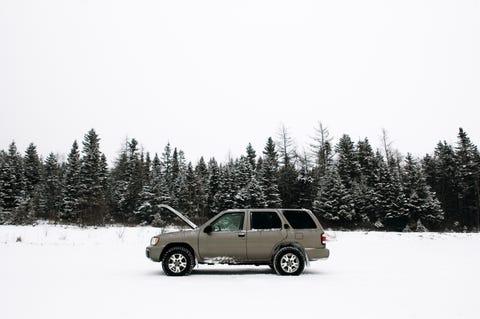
(289, 261)
(178, 261)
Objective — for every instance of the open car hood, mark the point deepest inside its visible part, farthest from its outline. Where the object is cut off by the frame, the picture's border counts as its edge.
(176, 212)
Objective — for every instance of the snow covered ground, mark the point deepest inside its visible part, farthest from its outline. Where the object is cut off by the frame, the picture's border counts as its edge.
(66, 272)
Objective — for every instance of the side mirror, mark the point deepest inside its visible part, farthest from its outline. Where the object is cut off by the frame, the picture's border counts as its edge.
(208, 229)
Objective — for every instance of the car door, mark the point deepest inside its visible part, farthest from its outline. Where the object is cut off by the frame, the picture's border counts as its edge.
(226, 240)
(265, 231)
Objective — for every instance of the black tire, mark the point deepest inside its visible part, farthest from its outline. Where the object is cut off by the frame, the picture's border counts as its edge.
(289, 261)
(178, 261)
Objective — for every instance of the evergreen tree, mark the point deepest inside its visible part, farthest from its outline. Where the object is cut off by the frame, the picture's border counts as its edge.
(269, 175)
(466, 154)
(52, 188)
(154, 193)
(348, 167)
(202, 176)
(72, 184)
(12, 179)
(225, 197)
(250, 193)
(252, 156)
(32, 169)
(422, 205)
(92, 203)
(442, 175)
(213, 185)
(367, 165)
(391, 211)
(188, 194)
(333, 203)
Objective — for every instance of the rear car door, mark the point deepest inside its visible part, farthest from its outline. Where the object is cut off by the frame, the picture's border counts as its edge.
(265, 231)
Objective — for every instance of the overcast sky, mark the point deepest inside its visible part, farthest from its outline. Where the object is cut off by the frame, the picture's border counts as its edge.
(211, 76)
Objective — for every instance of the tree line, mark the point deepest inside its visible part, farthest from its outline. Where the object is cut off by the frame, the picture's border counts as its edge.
(347, 184)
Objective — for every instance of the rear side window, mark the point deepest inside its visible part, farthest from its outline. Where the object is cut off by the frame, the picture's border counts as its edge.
(265, 220)
(299, 219)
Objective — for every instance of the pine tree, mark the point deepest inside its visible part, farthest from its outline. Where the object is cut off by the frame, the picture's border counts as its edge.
(202, 175)
(12, 179)
(32, 169)
(391, 211)
(154, 193)
(252, 156)
(92, 203)
(213, 185)
(52, 188)
(333, 202)
(348, 167)
(467, 155)
(422, 205)
(269, 175)
(72, 184)
(442, 175)
(250, 193)
(367, 164)
(225, 197)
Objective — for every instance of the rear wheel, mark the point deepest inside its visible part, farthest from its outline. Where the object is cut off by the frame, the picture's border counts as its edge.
(178, 261)
(289, 261)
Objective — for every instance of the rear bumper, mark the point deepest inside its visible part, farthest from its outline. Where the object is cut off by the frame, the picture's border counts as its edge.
(317, 253)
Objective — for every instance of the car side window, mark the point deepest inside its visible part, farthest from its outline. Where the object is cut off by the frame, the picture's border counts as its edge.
(229, 222)
(299, 219)
(265, 220)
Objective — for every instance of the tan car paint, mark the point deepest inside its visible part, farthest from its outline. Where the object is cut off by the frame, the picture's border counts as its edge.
(244, 246)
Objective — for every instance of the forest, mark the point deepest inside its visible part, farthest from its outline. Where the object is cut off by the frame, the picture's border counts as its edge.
(347, 184)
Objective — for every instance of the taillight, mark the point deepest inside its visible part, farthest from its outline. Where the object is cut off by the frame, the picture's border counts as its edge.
(324, 239)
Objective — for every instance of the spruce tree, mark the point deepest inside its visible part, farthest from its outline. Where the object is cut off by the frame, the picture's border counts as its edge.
(391, 210)
(269, 175)
(225, 197)
(12, 179)
(202, 175)
(333, 202)
(213, 185)
(72, 184)
(348, 166)
(92, 203)
(467, 155)
(32, 169)
(422, 205)
(52, 188)
(252, 156)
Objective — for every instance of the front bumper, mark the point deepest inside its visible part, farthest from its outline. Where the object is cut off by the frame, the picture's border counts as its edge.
(153, 252)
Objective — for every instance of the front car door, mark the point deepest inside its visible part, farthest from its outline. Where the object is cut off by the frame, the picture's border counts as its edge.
(226, 242)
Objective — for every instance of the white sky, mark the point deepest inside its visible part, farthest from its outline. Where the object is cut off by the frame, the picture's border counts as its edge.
(211, 76)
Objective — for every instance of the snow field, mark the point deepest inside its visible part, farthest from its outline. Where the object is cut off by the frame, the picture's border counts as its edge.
(69, 272)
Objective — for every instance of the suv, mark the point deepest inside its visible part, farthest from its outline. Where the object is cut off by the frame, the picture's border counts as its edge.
(284, 239)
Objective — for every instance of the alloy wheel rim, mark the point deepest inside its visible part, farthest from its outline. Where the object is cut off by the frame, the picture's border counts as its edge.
(290, 263)
(177, 263)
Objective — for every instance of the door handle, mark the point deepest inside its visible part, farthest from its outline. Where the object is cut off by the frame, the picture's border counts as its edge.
(241, 234)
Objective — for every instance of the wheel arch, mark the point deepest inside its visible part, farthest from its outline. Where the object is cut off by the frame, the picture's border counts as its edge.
(291, 244)
(177, 244)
